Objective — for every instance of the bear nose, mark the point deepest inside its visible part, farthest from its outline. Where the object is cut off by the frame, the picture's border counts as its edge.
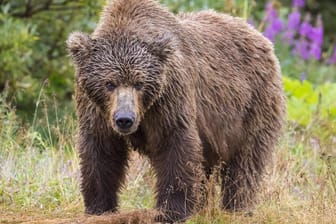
(124, 121)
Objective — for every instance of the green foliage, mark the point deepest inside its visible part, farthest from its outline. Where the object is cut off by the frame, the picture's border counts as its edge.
(306, 102)
(36, 171)
(326, 8)
(241, 8)
(186, 5)
(16, 41)
(33, 46)
(296, 68)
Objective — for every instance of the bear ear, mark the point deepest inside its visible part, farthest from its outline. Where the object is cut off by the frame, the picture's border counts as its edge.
(163, 46)
(78, 45)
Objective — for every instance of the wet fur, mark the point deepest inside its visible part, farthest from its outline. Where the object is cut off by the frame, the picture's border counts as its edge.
(213, 97)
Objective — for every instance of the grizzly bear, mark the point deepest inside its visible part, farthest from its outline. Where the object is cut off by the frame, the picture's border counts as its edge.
(192, 92)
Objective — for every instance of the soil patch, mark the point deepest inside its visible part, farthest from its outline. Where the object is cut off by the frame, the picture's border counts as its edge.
(142, 216)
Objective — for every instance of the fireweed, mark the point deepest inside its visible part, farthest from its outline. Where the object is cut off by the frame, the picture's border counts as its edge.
(300, 32)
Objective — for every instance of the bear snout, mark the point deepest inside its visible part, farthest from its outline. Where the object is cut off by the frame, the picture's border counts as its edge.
(124, 121)
(124, 111)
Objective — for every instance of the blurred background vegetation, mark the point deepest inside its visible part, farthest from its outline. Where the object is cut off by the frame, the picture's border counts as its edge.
(32, 48)
(38, 126)
(33, 54)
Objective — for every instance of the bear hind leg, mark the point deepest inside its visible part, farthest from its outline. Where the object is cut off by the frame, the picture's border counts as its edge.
(241, 176)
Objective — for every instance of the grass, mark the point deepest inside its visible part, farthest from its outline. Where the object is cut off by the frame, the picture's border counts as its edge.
(39, 175)
(298, 188)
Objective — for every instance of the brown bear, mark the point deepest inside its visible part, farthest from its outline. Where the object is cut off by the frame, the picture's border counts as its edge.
(192, 92)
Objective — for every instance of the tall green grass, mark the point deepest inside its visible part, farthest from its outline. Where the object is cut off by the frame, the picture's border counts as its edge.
(39, 166)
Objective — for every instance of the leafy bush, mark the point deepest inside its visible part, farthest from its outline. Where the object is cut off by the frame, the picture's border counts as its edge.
(16, 41)
(306, 102)
(33, 49)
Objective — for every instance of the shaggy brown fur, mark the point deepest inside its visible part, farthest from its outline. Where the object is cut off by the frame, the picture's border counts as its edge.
(191, 92)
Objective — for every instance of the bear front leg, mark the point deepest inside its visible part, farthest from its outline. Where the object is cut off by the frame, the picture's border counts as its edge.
(178, 167)
(103, 164)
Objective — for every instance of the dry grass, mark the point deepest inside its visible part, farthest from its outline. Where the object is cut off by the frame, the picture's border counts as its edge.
(299, 186)
(39, 178)
(142, 216)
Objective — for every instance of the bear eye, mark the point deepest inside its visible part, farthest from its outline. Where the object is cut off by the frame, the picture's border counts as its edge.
(138, 85)
(110, 86)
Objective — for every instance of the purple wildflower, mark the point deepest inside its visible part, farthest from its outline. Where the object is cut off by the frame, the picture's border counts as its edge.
(298, 3)
(332, 59)
(270, 11)
(316, 38)
(293, 24)
(277, 25)
(288, 36)
(303, 76)
(315, 51)
(269, 33)
(316, 33)
(305, 39)
(273, 29)
(274, 23)
(251, 22)
(294, 20)
(305, 28)
(301, 48)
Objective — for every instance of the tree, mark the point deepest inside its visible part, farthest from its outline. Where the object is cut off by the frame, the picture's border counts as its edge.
(32, 47)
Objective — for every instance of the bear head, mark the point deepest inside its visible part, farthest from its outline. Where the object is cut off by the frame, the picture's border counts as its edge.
(121, 74)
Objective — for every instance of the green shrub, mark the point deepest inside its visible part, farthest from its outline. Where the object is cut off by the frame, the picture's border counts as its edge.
(16, 41)
(306, 102)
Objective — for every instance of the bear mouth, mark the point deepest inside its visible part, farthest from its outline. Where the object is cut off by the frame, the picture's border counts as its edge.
(125, 132)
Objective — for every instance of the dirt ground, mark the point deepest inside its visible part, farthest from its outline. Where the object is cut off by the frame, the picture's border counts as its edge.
(35, 217)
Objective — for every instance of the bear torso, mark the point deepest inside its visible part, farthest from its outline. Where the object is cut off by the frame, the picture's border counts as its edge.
(231, 69)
